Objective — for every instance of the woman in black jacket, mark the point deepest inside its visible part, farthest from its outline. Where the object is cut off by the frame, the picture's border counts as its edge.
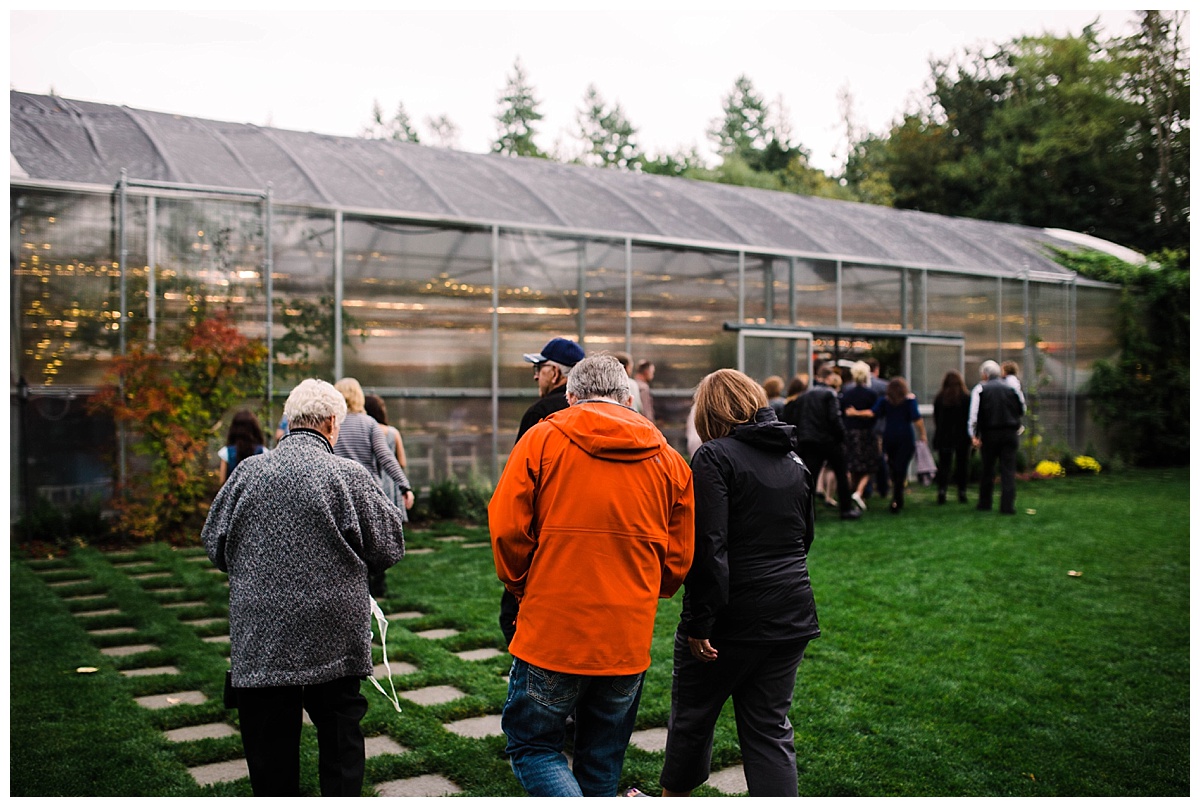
(950, 437)
(748, 610)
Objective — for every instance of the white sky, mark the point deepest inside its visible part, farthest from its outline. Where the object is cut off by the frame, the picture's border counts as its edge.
(322, 71)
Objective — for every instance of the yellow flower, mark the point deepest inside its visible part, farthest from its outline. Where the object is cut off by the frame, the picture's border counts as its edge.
(1049, 468)
(1084, 463)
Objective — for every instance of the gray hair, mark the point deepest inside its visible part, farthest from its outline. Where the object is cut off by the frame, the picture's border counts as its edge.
(989, 369)
(599, 377)
(312, 403)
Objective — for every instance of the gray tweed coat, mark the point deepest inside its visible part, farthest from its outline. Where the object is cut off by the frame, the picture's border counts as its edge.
(297, 530)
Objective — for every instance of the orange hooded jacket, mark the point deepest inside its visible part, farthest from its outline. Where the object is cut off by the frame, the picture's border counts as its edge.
(591, 522)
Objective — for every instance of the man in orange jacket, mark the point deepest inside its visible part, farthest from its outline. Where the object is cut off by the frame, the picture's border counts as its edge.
(592, 522)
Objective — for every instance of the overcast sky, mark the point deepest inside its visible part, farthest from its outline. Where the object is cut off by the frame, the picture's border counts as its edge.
(322, 71)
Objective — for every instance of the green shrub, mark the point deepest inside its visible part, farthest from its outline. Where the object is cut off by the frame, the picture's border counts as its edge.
(50, 525)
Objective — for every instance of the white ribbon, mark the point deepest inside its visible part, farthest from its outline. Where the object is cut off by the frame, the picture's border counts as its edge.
(381, 620)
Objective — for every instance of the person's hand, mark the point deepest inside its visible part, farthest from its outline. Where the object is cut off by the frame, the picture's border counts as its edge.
(975, 441)
(409, 498)
(702, 649)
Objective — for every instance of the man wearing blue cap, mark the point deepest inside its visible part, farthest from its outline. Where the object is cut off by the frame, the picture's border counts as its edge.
(550, 370)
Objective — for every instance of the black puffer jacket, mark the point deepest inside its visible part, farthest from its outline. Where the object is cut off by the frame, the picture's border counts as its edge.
(817, 416)
(754, 526)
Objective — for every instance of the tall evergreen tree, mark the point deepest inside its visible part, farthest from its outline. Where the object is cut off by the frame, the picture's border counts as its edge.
(608, 135)
(517, 116)
(398, 127)
(443, 131)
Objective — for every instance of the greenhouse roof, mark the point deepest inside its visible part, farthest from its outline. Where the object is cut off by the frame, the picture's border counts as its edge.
(56, 140)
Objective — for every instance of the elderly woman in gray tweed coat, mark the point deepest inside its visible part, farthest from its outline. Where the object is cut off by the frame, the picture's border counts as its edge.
(299, 530)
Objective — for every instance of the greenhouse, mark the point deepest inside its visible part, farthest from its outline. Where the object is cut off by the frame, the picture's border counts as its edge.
(426, 273)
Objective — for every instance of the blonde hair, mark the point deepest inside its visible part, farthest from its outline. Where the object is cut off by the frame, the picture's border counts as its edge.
(860, 371)
(725, 399)
(353, 393)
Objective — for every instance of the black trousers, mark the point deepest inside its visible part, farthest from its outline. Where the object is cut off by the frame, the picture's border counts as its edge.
(998, 445)
(761, 679)
(271, 717)
(817, 454)
(961, 455)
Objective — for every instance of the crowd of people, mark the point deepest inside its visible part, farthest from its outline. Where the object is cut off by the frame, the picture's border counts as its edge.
(595, 518)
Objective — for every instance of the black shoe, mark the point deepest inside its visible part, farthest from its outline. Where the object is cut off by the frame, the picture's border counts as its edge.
(962, 497)
(895, 507)
(1008, 512)
(851, 515)
(941, 497)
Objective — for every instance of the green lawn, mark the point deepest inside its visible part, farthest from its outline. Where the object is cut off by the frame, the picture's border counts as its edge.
(958, 658)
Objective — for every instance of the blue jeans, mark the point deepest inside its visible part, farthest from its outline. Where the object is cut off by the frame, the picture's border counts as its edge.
(535, 719)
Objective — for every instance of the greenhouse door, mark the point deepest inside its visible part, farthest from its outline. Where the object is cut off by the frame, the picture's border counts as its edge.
(764, 352)
(927, 359)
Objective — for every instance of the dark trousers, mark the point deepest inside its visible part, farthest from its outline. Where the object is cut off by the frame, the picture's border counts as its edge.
(961, 455)
(817, 454)
(271, 717)
(998, 446)
(899, 455)
(761, 679)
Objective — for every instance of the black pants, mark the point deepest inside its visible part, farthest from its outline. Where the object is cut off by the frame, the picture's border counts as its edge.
(999, 446)
(761, 679)
(271, 717)
(899, 455)
(961, 455)
(817, 454)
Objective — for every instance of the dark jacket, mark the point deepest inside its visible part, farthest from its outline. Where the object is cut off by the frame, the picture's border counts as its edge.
(298, 530)
(950, 423)
(1000, 408)
(548, 404)
(754, 526)
(817, 416)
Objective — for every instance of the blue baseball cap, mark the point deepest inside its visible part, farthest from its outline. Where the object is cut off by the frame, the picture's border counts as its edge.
(558, 350)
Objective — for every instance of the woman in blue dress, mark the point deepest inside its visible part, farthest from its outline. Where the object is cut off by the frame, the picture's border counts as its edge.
(900, 415)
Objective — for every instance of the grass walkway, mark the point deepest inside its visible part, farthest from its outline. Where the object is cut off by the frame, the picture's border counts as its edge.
(958, 658)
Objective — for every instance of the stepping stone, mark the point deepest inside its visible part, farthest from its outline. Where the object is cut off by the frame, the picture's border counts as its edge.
(477, 545)
(383, 744)
(82, 597)
(730, 781)
(169, 670)
(203, 621)
(650, 739)
(403, 615)
(127, 650)
(167, 590)
(429, 785)
(480, 654)
(216, 639)
(451, 538)
(437, 633)
(431, 696)
(186, 604)
(476, 727)
(215, 570)
(204, 732)
(170, 699)
(229, 771)
(421, 550)
(72, 582)
(150, 575)
(102, 612)
(139, 566)
(111, 631)
(398, 668)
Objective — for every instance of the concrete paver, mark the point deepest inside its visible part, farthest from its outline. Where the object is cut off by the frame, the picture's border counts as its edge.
(150, 575)
(83, 597)
(480, 654)
(429, 785)
(730, 781)
(430, 696)
(170, 699)
(72, 582)
(421, 550)
(101, 612)
(111, 631)
(228, 771)
(650, 739)
(477, 545)
(185, 604)
(476, 727)
(451, 539)
(398, 668)
(203, 732)
(403, 615)
(140, 671)
(127, 649)
(216, 639)
(383, 744)
(171, 590)
(437, 633)
(208, 620)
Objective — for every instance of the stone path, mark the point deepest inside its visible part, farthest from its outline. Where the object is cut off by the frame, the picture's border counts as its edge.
(161, 584)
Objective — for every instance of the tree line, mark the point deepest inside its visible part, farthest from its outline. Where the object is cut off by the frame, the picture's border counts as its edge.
(1085, 132)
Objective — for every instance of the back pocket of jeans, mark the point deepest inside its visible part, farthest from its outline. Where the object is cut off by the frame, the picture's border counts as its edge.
(627, 685)
(549, 687)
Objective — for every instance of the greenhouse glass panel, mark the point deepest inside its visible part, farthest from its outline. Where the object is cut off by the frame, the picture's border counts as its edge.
(1047, 383)
(1013, 325)
(210, 260)
(66, 287)
(766, 290)
(417, 303)
(871, 297)
(967, 305)
(1095, 338)
(303, 296)
(604, 295)
(816, 293)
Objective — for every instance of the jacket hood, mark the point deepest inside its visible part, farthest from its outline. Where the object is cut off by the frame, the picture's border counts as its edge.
(766, 432)
(609, 431)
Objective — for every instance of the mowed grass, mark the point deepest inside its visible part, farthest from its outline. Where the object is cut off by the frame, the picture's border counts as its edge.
(957, 658)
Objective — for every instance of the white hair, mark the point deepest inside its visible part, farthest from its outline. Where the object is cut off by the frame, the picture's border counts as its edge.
(600, 376)
(312, 403)
(989, 369)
